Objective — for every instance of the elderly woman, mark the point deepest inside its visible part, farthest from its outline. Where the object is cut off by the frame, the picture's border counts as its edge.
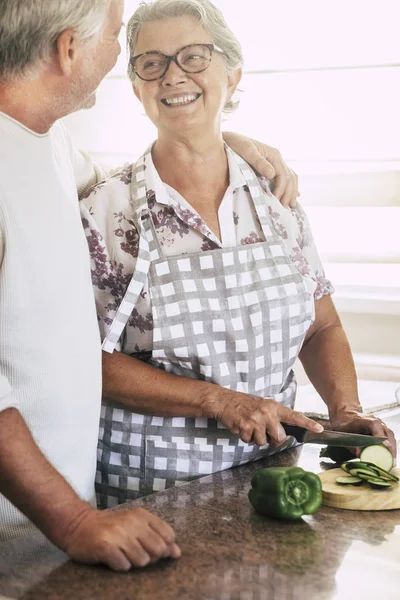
(205, 284)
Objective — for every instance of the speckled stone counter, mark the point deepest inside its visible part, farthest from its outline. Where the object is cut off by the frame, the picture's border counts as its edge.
(229, 551)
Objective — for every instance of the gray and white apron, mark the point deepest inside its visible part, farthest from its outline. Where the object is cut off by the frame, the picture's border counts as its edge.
(234, 316)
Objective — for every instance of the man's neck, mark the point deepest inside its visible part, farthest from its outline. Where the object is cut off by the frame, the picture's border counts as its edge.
(24, 103)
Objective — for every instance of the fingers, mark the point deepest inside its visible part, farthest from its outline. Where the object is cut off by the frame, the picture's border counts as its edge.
(392, 445)
(292, 417)
(281, 182)
(115, 559)
(378, 428)
(135, 554)
(260, 420)
(175, 551)
(361, 423)
(277, 434)
(286, 188)
(163, 529)
(122, 539)
(142, 546)
(156, 536)
(259, 436)
(296, 193)
(263, 167)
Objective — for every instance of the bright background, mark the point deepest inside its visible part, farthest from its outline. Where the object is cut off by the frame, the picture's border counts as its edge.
(321, 83)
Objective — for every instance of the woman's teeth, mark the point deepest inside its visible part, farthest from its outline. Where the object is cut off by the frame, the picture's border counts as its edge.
(187, 99)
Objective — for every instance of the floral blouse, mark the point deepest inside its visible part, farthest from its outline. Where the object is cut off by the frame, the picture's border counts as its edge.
(113, 240)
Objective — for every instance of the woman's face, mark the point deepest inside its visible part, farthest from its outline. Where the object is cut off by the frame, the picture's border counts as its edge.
(203, 94)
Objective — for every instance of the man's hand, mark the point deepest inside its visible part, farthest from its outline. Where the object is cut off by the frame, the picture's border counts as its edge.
(121, 539)
(255, 419)
(357, 422)
(267, 161)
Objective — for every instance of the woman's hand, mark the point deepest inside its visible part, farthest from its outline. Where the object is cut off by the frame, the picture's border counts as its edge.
(267, 161)
(256, 419)
(357, 422)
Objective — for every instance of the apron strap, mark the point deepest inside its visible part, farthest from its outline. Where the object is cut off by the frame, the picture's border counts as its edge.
(258, 197)
(140, 213)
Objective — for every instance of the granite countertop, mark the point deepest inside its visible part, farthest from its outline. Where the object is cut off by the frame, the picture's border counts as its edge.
(229, 552)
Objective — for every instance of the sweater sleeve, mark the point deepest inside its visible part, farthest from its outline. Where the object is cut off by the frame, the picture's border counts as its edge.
(7, 399)
(87, 173)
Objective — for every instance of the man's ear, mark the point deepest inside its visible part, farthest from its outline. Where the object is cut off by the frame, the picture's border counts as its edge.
(233, 81)
(67, 51)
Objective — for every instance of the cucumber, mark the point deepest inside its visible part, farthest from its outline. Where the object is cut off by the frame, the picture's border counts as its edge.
(348, 480)
(382, 473)
(363, 474)
(356, 464)
(379, 483)
(378, 455)
(349, 465)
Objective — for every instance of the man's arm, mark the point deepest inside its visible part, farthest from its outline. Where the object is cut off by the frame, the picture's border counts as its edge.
(267, 161)
(328, 362)
(119, 540)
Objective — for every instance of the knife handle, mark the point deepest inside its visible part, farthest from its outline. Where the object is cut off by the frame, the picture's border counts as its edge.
(295, 431)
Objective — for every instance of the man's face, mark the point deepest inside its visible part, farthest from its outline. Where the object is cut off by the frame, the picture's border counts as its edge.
(98, 59)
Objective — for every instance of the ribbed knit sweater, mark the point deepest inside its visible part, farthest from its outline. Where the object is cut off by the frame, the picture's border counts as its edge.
(50, 362)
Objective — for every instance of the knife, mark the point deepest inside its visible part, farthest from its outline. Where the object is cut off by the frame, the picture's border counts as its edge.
(332, 438)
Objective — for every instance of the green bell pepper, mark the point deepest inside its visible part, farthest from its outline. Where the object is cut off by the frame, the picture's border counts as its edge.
(285, 493)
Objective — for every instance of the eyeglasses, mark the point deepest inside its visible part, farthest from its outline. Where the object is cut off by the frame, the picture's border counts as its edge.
(191, 59)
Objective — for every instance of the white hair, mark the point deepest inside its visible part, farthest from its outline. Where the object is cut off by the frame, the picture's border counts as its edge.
(202, 11)
(29, 30)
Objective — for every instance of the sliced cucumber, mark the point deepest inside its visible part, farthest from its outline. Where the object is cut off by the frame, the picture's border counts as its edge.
(363, 474)
(348, 480)
(349, 465)
(379, 483)
(382, 473)
(378, 455)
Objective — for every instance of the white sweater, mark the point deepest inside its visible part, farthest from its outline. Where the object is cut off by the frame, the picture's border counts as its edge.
(50, 362)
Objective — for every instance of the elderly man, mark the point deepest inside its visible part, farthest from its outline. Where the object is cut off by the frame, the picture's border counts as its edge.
(53, 55)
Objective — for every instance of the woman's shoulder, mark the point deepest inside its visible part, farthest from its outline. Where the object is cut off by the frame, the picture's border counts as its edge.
(113, 191)
(106, 213)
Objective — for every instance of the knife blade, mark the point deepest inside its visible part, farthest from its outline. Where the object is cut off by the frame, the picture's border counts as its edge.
(332, 438)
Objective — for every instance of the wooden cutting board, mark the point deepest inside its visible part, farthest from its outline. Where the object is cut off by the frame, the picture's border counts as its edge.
(361, 497)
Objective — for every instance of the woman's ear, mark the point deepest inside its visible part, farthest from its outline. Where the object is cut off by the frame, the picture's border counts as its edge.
(233, 81)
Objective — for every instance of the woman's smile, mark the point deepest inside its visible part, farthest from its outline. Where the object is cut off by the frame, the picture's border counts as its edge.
(180, 99)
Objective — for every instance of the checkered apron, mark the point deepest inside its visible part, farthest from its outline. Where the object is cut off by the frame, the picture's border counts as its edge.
(233, 316)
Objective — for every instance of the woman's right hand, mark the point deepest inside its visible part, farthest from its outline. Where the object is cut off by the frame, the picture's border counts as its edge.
(256, 419)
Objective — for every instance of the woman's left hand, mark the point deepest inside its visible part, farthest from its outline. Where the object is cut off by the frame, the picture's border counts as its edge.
(356, 422)
(268, 162)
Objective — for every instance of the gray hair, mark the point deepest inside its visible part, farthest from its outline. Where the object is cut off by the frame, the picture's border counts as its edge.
(205, 13)
(29, 30)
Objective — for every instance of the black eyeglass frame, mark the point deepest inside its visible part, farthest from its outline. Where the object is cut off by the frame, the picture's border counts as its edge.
(212, 48)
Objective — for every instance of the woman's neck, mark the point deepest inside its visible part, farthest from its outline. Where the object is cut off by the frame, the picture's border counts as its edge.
(183, 162)
(197, 169)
